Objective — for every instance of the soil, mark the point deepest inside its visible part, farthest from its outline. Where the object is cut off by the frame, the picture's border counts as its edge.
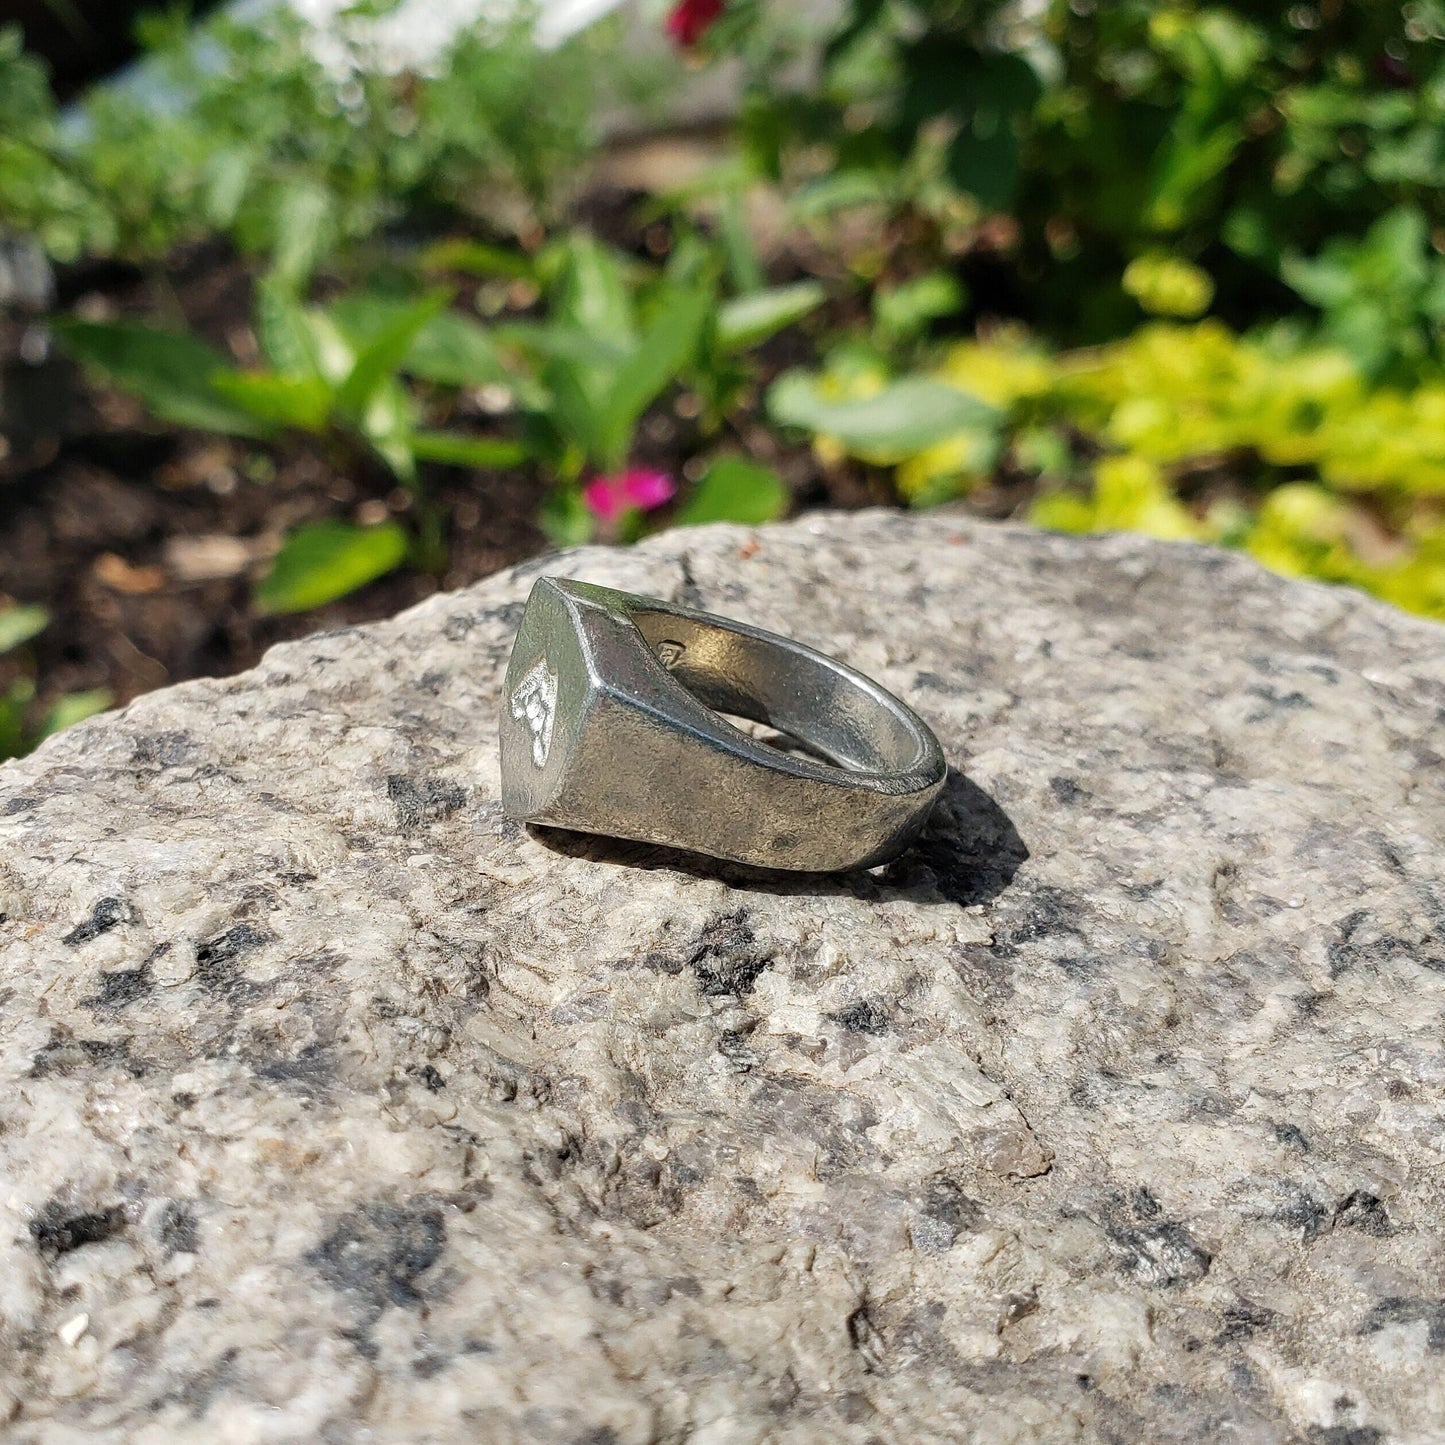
(144, 542)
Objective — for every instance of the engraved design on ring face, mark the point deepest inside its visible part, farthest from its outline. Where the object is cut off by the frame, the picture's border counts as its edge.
(669, 654)
(535, 703)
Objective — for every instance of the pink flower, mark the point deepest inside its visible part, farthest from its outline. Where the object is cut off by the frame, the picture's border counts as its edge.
(637, 489)
(690, 20)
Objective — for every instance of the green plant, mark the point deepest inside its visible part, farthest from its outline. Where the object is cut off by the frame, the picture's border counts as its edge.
(615, 338)
(1282, 447)
(733, 489)
(260, 141)
(20, 730)
(334, 374)
(357, 374)
(1255, 143)
(607, 350)
(1382, 295)
(322, 561)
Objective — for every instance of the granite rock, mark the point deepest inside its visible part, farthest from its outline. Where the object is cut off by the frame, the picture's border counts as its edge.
(337, 1108)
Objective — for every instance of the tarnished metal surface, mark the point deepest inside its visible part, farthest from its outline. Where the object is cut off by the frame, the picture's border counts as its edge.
(613, 722)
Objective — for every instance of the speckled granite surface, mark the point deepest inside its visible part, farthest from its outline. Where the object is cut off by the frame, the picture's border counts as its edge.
(335, 1108)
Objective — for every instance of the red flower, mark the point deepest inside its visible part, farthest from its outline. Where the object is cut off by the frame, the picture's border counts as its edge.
(638, 489)
(692, 19)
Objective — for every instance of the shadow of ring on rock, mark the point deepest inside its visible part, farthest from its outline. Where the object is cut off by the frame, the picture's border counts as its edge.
(968, 853)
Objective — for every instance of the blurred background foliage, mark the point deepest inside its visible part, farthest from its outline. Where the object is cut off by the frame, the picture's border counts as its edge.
(1167, 267)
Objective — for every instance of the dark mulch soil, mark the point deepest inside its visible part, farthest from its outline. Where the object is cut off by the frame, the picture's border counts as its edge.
(144, 542)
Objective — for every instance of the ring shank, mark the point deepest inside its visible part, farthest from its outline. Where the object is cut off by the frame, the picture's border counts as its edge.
(831, 710)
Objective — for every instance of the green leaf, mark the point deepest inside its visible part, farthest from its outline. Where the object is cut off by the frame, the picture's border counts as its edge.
(74, 707)
(171, 373)
(844, 190)
(670, 344)
(449, 349)
(14, 702)
(576, 409)
(903, 312)
(1249, 232)
(735, 490)
(863, 15)
(746, 320)
(561, 343)
(287, 340)
(321, 561)
(1395, 246)
(475, 258)
(389, 424)
(593, 295)
(897, 422)
(302, 226)
(565, 518)
(591, 300)
(381, 357)
(745, 270)
(460, 451)
(1190, 159)
(19, 624)
(1324, 281)
(278, 401)
(990, 94)
(453, 350)
(226, 178)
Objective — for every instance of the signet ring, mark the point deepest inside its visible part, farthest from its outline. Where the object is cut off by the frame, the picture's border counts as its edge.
(619, 717)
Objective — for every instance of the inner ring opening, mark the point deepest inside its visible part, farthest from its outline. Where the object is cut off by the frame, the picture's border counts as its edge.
(785, 688)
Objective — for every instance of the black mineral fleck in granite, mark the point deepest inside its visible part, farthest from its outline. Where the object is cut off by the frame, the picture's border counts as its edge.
(946, 1212)
(1242, 1320)
(176, 1228)
(421, 801)
(1298, 1209)
(120, 988)
(216, 957)
(1066, 790)
(1292, 1135)
(1156, 1252)
(57, 1231)
(727, 958)
(163, 750)
(862, 1016)
(107, 913)
(378, 1251)
(1363, 1211)
(65, 1056)
(1394, 1310)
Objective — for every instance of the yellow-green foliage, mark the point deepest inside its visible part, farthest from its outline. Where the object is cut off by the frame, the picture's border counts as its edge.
(1166, 285)
(1304, 464)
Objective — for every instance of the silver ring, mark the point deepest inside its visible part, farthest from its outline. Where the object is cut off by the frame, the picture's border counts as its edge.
(615, 720)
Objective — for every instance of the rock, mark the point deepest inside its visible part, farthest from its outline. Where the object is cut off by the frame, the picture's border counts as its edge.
(335, 1103)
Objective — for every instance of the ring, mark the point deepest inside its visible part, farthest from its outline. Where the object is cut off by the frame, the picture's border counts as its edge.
(618, 718)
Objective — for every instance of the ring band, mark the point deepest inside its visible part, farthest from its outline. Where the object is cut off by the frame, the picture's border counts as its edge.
(615, 720)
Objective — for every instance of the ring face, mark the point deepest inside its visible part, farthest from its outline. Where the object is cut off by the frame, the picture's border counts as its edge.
(615, 720)
(535, 700)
